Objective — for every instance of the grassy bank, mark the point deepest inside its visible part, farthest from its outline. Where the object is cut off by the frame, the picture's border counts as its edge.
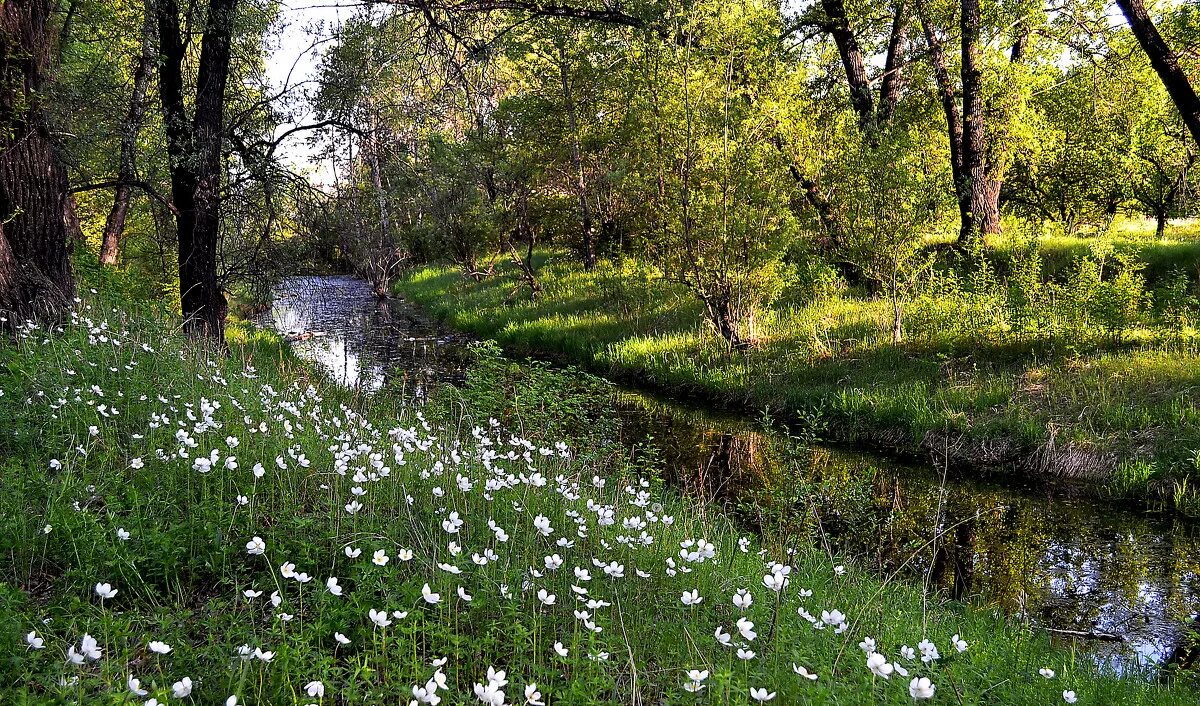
(1075, 403)
(188, 526)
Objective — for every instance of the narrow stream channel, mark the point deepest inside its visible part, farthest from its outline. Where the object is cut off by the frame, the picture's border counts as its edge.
(1068, 564)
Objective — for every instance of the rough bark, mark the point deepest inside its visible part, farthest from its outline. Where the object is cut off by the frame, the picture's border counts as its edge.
(587, 234)
(982, 217)
(949, 100)
(855, 66)
(1165, 63)
(37, 220)
(892, 81)
(114, 225)
(194, 147)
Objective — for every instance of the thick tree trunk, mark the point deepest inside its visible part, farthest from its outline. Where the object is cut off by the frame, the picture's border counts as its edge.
(1160, 223)
(1165, 63)
(37, 221)
(859, 82)
(114, 225)
(587, 235)
(195, 151)
(982, 217)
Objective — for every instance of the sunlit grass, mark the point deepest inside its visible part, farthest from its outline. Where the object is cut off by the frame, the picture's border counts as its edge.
(961, 371)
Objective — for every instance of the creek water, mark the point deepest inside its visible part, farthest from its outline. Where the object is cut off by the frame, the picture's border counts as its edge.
(1121, 585)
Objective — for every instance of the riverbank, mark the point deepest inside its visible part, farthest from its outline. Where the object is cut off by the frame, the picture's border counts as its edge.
(1121, 419)
(168, 508)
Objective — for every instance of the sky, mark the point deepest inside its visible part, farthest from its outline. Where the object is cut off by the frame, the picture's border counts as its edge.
(292, 48)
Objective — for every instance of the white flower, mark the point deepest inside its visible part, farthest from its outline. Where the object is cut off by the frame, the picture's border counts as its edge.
(921, 688)
(380, 558)
(776, 581)
(761, 695)
(929, 651)
(341, 639)
(105, 591)
(745, 654)
(908, 653)
(545, 597)
(429, 596)
(122, 534)
(462, 593)
(542, 524)
(867, 645)
(959, 643)
(1069, 697)
(256, 546)
(379, 617)
(232, 700)
(742, 599)
(352, 553)
(803, 672)
(690, 598)
(839, 570)
(262, 655)
(1046, 672)
(315, 689)
(723, 637)
(287, 570)
(33, 642)
(533, 697)
(746, 628)
(560, 650)
(135, 686)
(452, 523)
(404, 554)
(182, 688)
(159, 647)
(331, 585)
(89, 647)
(878, 665)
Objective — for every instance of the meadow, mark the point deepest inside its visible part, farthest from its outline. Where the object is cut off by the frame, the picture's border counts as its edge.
(1075, 359)
(185, 524)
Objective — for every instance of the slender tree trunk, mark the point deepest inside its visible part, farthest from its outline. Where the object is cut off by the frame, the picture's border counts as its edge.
(892, 81)
(1160, 222)
(114, 225)
(1165, 63)
(381, 264)
(37, 220)
(954, 127)
(588, 243)
(194, 148)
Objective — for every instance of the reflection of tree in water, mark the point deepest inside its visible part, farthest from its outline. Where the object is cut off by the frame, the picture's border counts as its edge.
(1062, 564)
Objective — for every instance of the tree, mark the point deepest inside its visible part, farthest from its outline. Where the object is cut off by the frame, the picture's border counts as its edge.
(1165, 63)
(114, 225)
(195, 148)
(38, 221)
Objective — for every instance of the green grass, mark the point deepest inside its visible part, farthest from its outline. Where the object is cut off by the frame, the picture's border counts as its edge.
(103, 395)
(963, 374)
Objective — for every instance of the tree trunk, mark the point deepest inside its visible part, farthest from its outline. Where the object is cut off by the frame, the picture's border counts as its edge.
(37, 220)
(982, 216)
(588, 249)
(381, 264)
(1160, 222)
(114, 225)
(194, 148)
(892, 81)
(852, 61)
(1165, 63)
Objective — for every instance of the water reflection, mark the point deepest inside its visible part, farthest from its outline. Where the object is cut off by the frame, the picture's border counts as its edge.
(1129, 582)
(362, 341)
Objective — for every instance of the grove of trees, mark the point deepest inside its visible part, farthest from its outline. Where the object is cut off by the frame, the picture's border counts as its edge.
(722, 141)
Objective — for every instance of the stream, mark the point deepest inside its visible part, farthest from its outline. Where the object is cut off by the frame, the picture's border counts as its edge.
(1123, 586)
